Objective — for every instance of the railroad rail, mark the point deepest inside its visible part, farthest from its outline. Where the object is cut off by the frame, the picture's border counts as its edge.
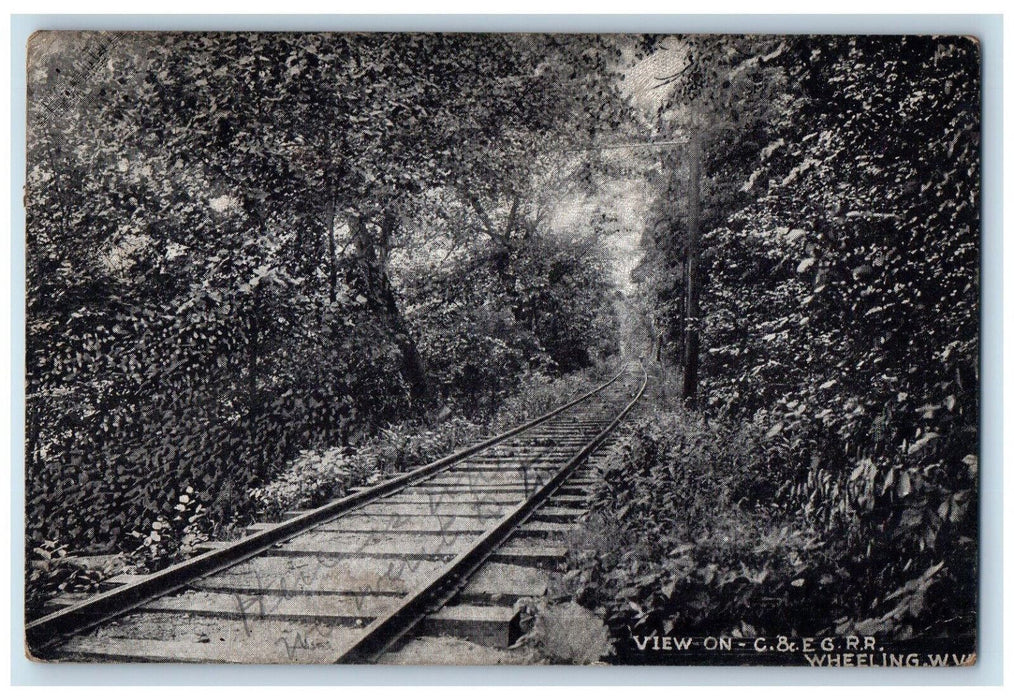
(440, 550)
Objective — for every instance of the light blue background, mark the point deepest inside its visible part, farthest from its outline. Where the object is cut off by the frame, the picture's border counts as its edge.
(988, 29)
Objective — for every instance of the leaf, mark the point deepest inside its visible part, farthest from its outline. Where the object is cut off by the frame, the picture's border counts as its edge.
(972, 462)
(888, 480)
(922, 442)
(904, 484)
(861, 271)
(805, 265)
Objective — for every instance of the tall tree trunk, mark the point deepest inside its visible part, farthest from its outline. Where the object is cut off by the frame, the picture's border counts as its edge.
(692, 316)
(500, 257)
(379, 292)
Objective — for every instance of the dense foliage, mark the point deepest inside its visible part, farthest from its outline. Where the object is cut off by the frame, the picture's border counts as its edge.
(214, 281)
(550, 311)
(839, 299)
(687, 539)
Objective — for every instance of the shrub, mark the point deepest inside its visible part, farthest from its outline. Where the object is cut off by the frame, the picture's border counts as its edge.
(317, 476)
(695, 528)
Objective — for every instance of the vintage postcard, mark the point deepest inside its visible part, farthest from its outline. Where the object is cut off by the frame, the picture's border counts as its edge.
(491, 348)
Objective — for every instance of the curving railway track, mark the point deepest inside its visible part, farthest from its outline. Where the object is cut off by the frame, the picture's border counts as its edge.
(443, 550)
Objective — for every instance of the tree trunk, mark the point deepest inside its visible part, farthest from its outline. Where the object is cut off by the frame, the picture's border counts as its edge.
(380, 295)
(692, 315)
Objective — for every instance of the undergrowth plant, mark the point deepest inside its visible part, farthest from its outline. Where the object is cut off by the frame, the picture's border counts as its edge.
(693, 531)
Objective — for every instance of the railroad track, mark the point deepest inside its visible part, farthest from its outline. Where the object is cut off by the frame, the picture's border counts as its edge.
(443, 550)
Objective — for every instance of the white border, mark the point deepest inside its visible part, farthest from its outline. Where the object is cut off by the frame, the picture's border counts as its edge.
(989, 29)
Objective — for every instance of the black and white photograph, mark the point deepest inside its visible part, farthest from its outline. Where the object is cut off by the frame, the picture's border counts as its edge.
(493, 348)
